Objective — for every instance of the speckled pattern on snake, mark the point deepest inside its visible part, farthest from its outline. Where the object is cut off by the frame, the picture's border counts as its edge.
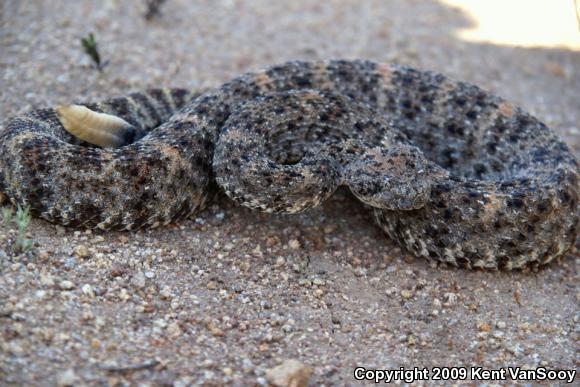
(451, 172)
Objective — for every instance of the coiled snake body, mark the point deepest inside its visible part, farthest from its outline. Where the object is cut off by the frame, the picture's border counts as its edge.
(451, 172)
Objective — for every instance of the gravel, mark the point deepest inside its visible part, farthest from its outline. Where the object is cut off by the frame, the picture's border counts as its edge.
(228, 296)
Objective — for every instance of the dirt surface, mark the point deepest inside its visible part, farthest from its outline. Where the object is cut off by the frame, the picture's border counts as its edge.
(225, 297)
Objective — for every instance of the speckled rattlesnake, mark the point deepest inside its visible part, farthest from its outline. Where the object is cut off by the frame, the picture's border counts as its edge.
(452, 173)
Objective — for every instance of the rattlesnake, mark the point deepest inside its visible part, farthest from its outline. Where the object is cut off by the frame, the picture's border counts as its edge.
(451, 172)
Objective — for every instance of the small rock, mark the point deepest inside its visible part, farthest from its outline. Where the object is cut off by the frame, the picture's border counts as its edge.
(66, 285)
(330, 229)
(451, 299)
(294, 244)
(555, 68)
(70, 263)
(88, 290)
(124, 295)
(46, 279)
(95, 344)
(166, 293)
(66, 378)
(485, 327)
(280, 261)
(117, 270)
(272, 241)
(81, 251)
(247, 365)
(291, 373)
(319, 282)
(174, 329)
(360, 272)
(216, 331)
(212, 285)
(138, 280)
(87, 315)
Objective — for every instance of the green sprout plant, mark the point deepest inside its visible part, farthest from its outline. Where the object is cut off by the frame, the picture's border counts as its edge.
(23, 244)
(21, 220)
(7, 215)
(90, 46)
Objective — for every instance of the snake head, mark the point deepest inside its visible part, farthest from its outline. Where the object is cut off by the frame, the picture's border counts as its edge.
(393, 178)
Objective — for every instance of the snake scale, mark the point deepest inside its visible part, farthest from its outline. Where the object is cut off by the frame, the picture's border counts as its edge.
(451, 172)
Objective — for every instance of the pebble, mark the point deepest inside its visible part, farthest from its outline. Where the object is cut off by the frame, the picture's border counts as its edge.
(82, 251)
(291, 373)
(280, 261)
(294, 244)
(272, 241)
(88, 290)
(451, 299)
(46, 279)
(166, 293)
(95, 344)
(174, 329)
(485, 327)
(66, 378)
(319, 282)
(555, 68)
(212, 285)
(215, 330)
(124, 295)
(138, 280)
(98, 239)
(66, 285)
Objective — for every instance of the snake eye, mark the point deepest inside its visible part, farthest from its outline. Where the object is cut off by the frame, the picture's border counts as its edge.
(101, 129)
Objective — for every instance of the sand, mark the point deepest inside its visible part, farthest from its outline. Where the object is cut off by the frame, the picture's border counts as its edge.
(223, 298)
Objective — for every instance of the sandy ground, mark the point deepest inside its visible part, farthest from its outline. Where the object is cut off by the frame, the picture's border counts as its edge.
(222, 298)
